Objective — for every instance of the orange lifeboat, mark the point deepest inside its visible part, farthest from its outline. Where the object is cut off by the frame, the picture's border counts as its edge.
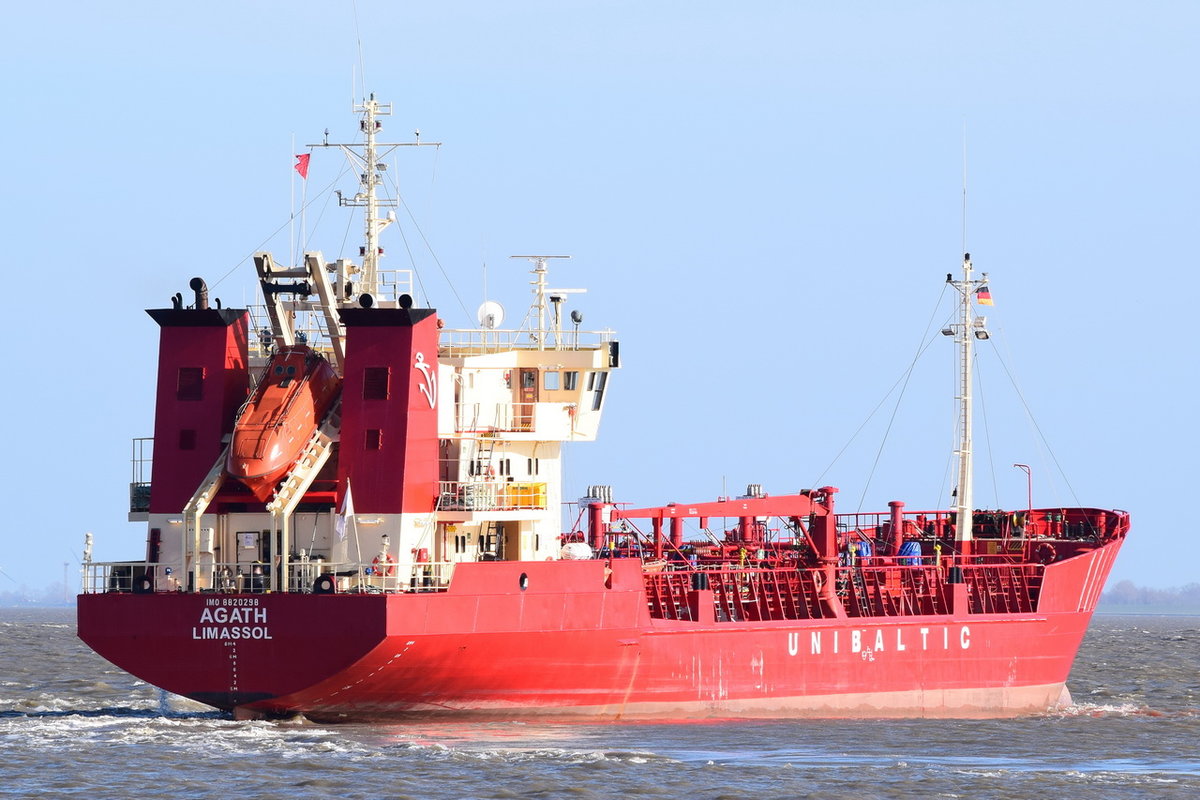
(276, 423)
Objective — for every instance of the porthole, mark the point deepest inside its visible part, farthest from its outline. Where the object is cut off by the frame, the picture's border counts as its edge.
(523, 581)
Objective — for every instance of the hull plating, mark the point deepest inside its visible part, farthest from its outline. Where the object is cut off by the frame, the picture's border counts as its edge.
(570, 646)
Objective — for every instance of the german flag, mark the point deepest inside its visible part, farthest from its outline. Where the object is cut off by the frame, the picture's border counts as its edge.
(983, 296)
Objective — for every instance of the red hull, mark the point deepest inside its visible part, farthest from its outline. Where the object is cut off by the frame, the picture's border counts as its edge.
(568, 646)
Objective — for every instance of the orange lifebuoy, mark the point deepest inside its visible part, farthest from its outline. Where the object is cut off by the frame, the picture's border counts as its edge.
(384, 564)
(1045, 553)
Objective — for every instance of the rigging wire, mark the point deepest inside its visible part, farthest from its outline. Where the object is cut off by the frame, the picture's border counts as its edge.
(272, 235)
(435, 258)
(321, 216)
(395, 186)
(412, 260)
(1037, 428)
(362, 68)
(987, 433)
(903, 379)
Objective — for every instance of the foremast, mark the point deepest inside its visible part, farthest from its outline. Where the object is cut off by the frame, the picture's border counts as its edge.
(968, 328)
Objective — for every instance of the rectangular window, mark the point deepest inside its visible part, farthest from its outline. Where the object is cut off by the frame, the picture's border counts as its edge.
(375, 383)
(190, 384)
(570, 381)
(374, 439)
(529, 379)
(187, 439)
(603, 379)
(532, 466)
(550, 381)
(591, 381)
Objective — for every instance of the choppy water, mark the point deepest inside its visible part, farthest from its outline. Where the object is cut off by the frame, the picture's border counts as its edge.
(72, 725)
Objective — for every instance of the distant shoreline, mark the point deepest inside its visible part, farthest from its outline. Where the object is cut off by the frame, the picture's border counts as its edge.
(1147, 611)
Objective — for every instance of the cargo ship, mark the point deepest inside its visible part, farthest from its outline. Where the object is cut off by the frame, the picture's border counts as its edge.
(356, 513)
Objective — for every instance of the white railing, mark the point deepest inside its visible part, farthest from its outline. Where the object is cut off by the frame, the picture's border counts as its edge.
(473, 341)
(491, 495)
(309, 329)
(319, 576)
(550, 420)
(503, 417)
(310, 324)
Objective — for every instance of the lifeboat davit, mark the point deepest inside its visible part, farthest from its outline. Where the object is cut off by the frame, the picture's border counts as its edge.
(291, 399)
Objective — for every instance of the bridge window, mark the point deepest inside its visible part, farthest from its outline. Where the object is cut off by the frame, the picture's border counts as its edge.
(550, 381)
(600, 381)
(570, 381)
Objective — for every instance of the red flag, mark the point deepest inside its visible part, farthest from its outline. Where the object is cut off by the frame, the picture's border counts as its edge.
(302, 165)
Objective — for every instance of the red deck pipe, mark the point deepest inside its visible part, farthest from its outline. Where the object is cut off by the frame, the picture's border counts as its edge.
(897, 508)
(596, 525)
(677, 532)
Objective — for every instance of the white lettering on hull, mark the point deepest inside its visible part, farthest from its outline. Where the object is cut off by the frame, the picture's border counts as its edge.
(234, 622)
(233, 616)
(870, 642)
(231, 632)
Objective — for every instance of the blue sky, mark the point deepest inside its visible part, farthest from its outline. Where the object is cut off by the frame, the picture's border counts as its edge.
(763, 199)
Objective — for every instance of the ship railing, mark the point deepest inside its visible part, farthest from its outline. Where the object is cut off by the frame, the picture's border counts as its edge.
(371, 577)
(309, 323)
(111, 576)
(309, 329)
(304, 576)
(896, 590)
(493, 417)
(489, 494)
(550, 420)
(459, 342)
(1007, 531)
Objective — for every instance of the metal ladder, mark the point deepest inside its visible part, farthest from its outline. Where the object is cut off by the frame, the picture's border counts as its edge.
(308, 465)
(299, 478)
(193, 511)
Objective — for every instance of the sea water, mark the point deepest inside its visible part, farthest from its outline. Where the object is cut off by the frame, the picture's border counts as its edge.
(72, 725)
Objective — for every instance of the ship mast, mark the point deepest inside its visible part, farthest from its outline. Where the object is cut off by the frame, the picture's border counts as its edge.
(966, 330)
(370, 166)
(369, 179)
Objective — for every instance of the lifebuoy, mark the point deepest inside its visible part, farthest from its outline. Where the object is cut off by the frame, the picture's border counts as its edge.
(383, 565)
(1045, 553)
